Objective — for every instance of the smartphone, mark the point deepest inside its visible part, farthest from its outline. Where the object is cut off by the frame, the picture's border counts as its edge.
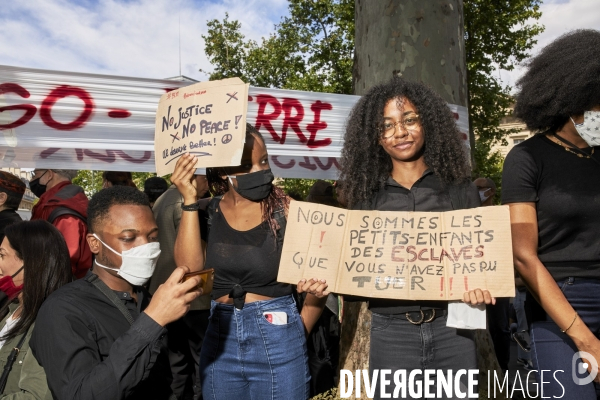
(207, 277)
(276, 317)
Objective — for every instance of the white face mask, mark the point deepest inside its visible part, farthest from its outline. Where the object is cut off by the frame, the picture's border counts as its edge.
(589, 129)
(138, 263)
(483, 196)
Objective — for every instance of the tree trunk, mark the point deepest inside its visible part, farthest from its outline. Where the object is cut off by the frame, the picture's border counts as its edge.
(421, 40)
(418, 40)
(355, 339)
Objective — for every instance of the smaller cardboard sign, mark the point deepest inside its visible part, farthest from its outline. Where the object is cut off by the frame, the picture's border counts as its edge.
(400, 255)
(207, 119)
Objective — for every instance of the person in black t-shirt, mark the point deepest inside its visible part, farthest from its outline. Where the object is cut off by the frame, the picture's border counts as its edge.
(255, 344)
(403, 152)
(552, 184)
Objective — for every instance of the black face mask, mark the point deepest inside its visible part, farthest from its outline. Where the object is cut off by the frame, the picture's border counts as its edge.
(37, 188)
(254, 186)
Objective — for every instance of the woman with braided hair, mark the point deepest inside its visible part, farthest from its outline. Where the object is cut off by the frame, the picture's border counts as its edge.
(403, 152)
(250, 311)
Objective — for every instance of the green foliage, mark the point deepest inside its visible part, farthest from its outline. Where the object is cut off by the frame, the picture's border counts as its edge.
(312, 49)
(299, 186)
(331, 394)
(498, 35)
(140, 177)
(91, 181)
(491, 168)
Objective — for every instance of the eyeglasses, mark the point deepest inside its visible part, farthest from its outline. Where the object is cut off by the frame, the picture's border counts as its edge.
(409, 123)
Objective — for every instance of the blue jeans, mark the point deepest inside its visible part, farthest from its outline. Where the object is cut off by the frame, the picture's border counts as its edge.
(553, 350)
(246, 357)
(398, 344)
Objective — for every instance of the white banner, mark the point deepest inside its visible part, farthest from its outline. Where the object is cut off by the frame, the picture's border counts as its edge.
(53, 119)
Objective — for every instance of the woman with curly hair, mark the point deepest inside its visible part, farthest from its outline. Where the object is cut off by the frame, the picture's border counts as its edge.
(403, 152)
(255, 344)
(551, 183)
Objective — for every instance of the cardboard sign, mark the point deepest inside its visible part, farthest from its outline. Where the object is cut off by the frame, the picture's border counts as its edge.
(207, 119)
(400, 255)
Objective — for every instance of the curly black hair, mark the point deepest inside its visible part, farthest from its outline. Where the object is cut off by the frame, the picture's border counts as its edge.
(563, 80)
(276, 200)
(365, 165)
(102, 201)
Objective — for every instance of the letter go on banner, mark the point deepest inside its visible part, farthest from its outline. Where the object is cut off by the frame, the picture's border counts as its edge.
(400, 255)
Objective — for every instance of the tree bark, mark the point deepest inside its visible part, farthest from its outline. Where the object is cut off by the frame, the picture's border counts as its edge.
(355, 340)
(418, 40)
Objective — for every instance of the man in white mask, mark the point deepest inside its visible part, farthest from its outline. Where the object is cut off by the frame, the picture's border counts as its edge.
(102, 337)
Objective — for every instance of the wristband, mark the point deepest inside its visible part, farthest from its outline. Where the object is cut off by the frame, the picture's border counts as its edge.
(190, 207)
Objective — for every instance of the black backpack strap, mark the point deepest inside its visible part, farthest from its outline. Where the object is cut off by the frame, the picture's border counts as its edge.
(11, 360)
(62, 210)
(66, 193)
(101, 286)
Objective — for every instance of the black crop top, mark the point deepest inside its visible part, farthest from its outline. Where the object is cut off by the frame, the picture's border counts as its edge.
(244, 261)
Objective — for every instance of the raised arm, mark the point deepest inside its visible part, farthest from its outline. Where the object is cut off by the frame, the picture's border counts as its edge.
(188, 247)
(523, 220)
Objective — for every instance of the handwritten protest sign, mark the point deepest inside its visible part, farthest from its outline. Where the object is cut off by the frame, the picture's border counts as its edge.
(399, 255)
(207, 119)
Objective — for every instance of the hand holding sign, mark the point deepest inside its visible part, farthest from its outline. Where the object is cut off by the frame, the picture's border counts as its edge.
(478, 296)
(183, 178)
(313, 286)
(207, 120)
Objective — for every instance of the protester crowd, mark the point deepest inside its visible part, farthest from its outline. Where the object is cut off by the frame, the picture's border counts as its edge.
(99, 298)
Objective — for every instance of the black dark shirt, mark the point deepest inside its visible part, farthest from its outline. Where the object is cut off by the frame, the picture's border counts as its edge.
(427, 194)
(249, 259)
(90, 351)
(566, 191)
(7, 217)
